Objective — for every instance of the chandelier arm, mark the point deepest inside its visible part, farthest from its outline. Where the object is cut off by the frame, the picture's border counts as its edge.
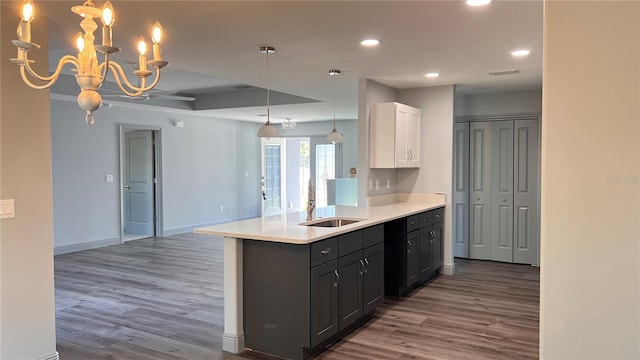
(50, 80)
(104, 68)
(67, 59)
(121, 78)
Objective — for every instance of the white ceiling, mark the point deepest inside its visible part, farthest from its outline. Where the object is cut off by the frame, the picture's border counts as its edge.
(213, 45)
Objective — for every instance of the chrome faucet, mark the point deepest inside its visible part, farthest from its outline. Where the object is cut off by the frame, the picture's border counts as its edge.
(311, 203)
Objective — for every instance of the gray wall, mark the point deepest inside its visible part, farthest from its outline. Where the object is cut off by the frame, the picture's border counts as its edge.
(503, 103)
(203, 167)
(371, 92)
(27, 308)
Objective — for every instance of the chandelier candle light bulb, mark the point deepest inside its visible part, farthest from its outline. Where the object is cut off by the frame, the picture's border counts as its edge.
(24, 28)
(90, 73)
(107, 22)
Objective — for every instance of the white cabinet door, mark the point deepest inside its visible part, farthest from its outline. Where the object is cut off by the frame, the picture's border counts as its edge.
(401, 143)
(394, 140)
(413, 135)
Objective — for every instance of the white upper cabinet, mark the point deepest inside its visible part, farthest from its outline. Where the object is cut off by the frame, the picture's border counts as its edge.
(395, 136)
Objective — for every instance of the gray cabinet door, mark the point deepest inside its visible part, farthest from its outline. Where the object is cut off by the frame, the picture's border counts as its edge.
(373, 282)
(424, 248)
(437, 255)
(350, 269)
(480, 187)
(502, 191)
(412, 272)
(324, 302)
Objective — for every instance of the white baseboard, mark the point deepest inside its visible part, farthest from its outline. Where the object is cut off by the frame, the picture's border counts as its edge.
(55, 356)
(65, 249)
(449, 269)
(233, 343)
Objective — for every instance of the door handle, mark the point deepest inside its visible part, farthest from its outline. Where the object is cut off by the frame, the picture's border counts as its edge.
(264, 195)
(127, 187)
(477, 198)
(504, 199)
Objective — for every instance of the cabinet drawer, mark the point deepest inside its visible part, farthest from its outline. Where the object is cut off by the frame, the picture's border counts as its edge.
(438, 215)
(373, 235)
(323, 251)
(348, 243)
(413, 222)
(426, 218)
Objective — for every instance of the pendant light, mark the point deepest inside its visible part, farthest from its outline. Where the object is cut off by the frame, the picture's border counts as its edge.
(268, 130)
(334, 136)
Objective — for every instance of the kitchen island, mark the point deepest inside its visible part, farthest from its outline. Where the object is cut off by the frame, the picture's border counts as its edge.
(282, 236)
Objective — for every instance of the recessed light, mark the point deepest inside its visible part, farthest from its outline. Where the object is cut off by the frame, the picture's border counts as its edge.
(520, 53)
(432, 75)
(370, 42)
(478, 2)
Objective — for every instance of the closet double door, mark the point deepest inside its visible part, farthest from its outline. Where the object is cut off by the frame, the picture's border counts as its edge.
(502, 198)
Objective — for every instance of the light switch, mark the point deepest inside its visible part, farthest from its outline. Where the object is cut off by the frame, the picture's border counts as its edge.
(7, 209)
(108, 178)
(246, 173)
(377, 184)
(388, 184)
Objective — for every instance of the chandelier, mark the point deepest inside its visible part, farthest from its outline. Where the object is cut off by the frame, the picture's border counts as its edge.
(89, 73)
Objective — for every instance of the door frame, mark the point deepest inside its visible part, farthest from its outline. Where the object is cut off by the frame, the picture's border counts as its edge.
(157, 165)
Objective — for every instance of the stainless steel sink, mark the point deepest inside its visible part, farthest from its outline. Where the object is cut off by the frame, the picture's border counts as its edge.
(331, 222)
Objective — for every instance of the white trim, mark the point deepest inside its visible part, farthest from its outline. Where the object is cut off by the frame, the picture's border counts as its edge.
(449, 269)
(472, 118)
(233, 336)
(232, 343)
(55, 356)
(65, 249)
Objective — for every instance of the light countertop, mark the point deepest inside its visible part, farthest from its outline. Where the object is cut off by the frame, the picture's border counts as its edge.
(286, 227)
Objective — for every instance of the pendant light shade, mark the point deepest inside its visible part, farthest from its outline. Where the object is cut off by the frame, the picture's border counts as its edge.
(268, 130)
(334, 136)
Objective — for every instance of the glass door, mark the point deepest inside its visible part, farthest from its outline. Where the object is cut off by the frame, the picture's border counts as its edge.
(324, 166)
(273, 176)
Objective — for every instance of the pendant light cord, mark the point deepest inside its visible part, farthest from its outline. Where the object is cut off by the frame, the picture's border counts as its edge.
(334, 102)
(268, 117)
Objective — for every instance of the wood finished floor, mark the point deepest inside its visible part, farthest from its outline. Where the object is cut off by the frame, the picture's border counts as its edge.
(162, 298)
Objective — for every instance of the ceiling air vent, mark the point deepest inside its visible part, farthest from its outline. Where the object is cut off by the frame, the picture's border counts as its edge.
(242, 87)
(504, 72)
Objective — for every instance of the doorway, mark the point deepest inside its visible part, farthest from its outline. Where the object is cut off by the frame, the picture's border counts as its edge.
(287, 166)
(140, 180)
(496, 197)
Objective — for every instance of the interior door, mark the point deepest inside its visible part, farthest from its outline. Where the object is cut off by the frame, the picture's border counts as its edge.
(480, 190)
(138, 182)
(273, 176)
(324, 165)
(502, 191)
(525, 200)
(461, 190)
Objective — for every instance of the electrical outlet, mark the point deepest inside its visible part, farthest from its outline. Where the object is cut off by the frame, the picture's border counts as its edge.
(377, 185)
(7, 209)
(388, 184)
(108, 178)
(246, 173)
(370, 184)
(221, 208)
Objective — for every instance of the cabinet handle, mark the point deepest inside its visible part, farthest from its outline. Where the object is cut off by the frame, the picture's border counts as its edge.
(437, 216)
(362, 271)
(366, 268)
(408, 246)
(337, 276)
(325, 252)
